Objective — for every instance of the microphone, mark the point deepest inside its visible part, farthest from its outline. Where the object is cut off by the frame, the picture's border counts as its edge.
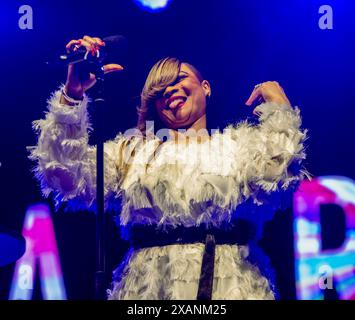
(113, 52)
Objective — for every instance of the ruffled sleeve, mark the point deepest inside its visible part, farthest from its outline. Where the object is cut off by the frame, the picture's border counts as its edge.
(65, 163)
(268, 156)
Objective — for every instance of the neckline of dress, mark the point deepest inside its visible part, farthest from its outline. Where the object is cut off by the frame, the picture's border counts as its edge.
(193, 142)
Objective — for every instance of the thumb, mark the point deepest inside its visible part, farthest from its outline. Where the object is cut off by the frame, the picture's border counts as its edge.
(112, 67)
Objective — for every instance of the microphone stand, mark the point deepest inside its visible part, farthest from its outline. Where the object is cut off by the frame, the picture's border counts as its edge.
(99, 102)
(116, 44)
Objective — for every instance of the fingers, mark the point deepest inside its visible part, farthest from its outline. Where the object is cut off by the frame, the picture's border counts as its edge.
(99, 41)
(71, 45)
(112, 67)
(95, 43)
(91, 44)
(269, 91)
(255, 95)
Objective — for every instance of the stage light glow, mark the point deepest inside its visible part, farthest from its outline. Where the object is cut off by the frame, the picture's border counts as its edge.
(312, 264)
(41, 250)
(153, 5)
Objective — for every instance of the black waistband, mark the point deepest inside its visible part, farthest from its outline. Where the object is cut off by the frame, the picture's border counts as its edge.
(239, 232)
(142, 236)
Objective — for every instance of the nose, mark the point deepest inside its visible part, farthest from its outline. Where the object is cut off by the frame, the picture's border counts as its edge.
(169, 91)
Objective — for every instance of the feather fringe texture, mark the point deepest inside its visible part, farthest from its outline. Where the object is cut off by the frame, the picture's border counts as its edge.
(230, 176)
(172, 273)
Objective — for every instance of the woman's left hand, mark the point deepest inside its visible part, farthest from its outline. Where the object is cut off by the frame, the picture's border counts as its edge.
(269, 91)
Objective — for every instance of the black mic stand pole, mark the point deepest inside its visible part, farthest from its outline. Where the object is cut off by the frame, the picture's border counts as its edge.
(99, 104)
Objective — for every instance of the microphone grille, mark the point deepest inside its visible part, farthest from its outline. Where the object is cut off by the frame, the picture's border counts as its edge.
(116, 48)
(114, 39)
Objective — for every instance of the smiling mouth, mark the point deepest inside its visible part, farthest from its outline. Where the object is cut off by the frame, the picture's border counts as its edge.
(176, 102)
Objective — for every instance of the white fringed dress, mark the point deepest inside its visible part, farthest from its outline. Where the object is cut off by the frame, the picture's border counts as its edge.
(234, 175)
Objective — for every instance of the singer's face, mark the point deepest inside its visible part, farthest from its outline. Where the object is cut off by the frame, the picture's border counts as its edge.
(184, 101)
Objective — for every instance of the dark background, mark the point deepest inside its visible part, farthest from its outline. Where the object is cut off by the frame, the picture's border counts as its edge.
(236, 44)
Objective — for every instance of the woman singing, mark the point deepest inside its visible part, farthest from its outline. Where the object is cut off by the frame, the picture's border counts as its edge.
(193, 205)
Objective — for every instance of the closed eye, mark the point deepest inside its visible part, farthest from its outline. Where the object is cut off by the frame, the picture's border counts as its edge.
(180, 78)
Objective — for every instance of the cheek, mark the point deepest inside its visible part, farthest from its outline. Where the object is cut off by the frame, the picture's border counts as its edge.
(159, 108)
(189, 87)
(199, 100)
(161, 114)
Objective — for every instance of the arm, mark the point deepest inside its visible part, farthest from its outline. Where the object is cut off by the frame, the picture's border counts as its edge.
(271, 153)
(66, 164)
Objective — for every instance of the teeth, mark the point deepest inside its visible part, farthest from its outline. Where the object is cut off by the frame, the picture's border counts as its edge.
(175, 103)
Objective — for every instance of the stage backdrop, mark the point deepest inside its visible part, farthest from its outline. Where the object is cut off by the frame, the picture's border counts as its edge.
(236, 44)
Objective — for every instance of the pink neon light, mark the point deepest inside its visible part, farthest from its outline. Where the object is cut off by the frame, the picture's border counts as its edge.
(41, 247)
(308, 254)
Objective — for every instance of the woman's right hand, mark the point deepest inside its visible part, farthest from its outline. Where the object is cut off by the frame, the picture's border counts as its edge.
(77, 84)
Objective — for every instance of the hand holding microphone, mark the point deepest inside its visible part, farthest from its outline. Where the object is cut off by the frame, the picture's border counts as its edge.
(79, 78)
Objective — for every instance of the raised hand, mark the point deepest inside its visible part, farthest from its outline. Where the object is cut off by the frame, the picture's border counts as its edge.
(77, 84)
(269, 91)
